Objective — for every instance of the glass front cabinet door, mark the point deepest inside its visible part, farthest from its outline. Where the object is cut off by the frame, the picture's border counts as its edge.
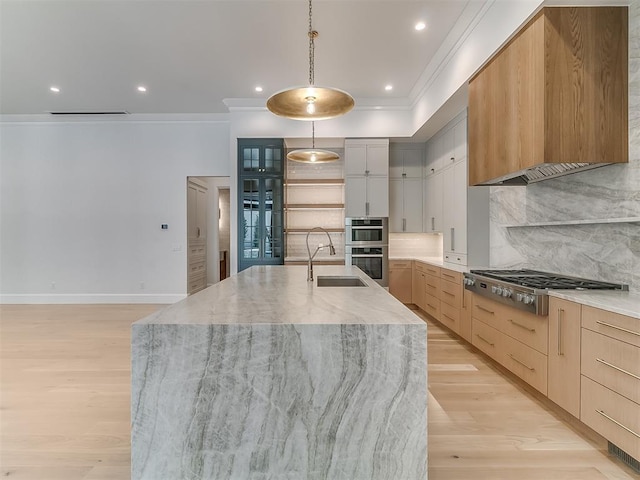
(260, 209)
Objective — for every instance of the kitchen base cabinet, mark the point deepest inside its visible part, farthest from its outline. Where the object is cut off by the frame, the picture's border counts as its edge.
(418, 286)
(613, 416)
(450, 316)
(400, 280)
(610, 381)
(526, 362)
(520, 341)
(488, 340)
(432, 306)
(564, 354)
(465, 315)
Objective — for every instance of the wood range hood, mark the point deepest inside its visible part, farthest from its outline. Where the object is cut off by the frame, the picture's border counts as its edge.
(553, 100)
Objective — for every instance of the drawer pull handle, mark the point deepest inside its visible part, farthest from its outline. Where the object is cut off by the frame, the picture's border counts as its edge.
(618, 423)
(485, 340)
(429, 305)
(522, 363)
(447, 316)
(560, 342)
(485, 309)
(448, 276)
(450, 294)
(618, 328)
(532, 330)
(618, 368)
(429, 285)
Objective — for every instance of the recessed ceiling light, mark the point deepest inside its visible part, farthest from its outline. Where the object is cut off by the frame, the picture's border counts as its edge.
(258, 89)
(142, 88)
(388, 88)
(54, 89)
(420, 26)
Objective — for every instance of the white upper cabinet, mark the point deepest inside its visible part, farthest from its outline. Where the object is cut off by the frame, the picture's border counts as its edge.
(366, 177)
(406, 160)
(366, 157)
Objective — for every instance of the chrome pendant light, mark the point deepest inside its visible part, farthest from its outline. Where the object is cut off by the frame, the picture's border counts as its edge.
(311, 102)
(313, 154)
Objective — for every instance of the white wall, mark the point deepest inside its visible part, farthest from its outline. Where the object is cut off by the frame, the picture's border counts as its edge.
(82, 204)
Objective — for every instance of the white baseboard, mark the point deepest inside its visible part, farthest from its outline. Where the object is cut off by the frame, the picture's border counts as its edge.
(88, 298)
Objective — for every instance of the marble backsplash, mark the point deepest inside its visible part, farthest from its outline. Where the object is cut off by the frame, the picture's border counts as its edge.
(603, 251)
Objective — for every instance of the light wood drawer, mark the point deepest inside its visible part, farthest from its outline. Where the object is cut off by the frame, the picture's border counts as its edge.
(197, 268)
(530, 329)
(432, 306)
(451, 276)
(426, 268)
(451, 293)
(400, 264)
(450, 317)
(432, 286)
(612, 324)
(456, 258)
(613, 416)
(196, 283)
(527, 363)
(487, 311)
(612, 363)
(487, 339)
(196, 251)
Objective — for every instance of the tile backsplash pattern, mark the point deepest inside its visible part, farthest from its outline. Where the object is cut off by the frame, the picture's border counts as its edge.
(609, 252)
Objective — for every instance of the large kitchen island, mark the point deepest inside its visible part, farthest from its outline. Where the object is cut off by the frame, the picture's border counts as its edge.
(268, 376)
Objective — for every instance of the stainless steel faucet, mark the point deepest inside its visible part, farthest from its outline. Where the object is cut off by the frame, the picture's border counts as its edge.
(332, 251)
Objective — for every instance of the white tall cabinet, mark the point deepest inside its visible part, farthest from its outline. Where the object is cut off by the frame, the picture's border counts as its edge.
(459, 212)
(366, 180)
(406, 165)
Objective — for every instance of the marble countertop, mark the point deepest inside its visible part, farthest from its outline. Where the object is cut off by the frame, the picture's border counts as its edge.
(281, 295)
(624, 303)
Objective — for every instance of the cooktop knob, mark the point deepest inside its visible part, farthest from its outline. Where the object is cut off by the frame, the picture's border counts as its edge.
(499, 290)
(507, 293)
(494, 289)
(529, 299)
(520, 297)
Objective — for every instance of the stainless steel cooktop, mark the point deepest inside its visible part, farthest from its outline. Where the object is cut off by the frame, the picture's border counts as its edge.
(528, 289)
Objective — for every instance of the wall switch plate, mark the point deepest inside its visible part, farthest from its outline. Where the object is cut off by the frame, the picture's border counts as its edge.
(164, 226)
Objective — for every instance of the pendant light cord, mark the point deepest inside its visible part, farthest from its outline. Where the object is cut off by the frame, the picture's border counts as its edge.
(312, 35)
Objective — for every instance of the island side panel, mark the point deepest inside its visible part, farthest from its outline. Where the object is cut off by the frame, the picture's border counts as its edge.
(279, 401)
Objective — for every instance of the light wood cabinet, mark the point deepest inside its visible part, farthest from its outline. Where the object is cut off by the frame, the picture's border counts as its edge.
(564, 354)
(556, 92)
(521, 345)
(613, 416)
(465, 315)
(401, 280)
(366, 177)
(610, 381)
(197, 199)
(418, 293)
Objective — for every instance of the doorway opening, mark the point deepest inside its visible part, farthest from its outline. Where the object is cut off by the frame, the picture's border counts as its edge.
(208, 231)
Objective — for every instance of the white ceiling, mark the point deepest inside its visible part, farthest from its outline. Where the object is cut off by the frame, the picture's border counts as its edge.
(191, 55)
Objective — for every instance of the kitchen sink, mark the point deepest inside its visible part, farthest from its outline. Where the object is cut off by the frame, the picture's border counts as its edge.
(337, 281)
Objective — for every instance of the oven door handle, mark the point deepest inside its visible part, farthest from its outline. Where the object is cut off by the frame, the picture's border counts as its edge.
(366, 256)
(375, 227)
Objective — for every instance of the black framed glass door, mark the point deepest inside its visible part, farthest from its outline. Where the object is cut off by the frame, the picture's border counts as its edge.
(260, 209)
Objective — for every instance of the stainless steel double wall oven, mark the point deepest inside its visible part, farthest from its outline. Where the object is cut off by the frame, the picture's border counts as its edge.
(367, 246)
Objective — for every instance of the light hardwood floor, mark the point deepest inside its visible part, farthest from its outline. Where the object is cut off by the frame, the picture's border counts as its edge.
(64, 406)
